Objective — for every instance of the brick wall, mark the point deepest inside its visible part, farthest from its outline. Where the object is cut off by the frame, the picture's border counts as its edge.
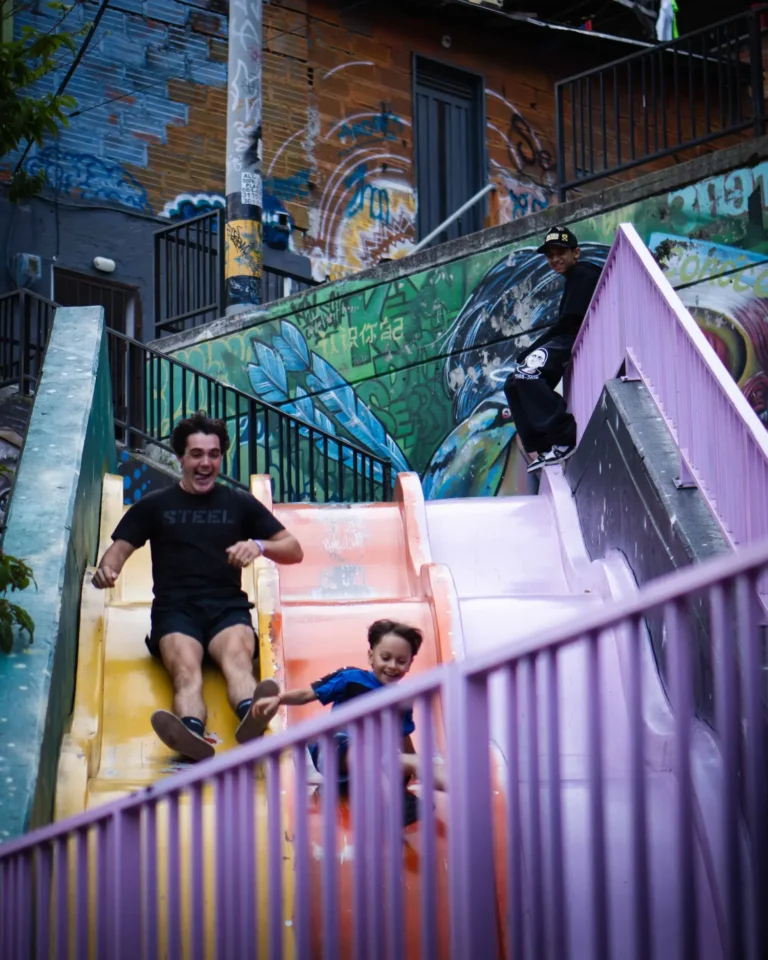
(337, 114)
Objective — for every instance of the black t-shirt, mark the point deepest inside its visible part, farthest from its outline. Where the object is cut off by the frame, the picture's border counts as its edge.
(189, 534)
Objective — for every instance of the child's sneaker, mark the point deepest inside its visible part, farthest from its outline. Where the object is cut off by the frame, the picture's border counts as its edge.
(179, 737)
(558, 454)
(253, 725)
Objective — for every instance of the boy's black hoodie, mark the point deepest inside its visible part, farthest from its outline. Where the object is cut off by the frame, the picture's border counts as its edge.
(580, 283)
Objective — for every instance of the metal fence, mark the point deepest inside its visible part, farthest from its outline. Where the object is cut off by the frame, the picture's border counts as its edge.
(642, 834)
(152, 392)
(637, 322)
(25, 323)
(678, 95)
(189, 274)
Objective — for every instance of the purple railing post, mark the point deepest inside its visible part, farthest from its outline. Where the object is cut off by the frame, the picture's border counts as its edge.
(636, 635)
(274, 857)
(359, 836)
(755, 754)
(245, 881)
(597, 799)
(374, 837)
(330, 891)
(558, 916)
(429, 942)
(395, 942)
(149, 880)
(301, 896)
(196, 873)
(44, 870)
(514, 914)
(82, 906)
(474, 929)
(226, 847)
(127, 884)
(173, 880)
(680, 662)
(24, 916)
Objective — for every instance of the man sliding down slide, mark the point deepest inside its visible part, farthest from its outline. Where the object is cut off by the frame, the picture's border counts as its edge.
(201, 535)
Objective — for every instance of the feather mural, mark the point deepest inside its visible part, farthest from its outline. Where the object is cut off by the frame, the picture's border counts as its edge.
(321, 397)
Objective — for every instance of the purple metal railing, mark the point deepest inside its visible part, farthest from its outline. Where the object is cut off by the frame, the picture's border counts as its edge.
(636, 319)
(658, 847)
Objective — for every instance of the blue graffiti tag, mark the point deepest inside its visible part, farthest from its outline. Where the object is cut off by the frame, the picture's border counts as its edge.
(524, 203)
(90, 177)
(376, 197)
(289, 188)
(381, 126)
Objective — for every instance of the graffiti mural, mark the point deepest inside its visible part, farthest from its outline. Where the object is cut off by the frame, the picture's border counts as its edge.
(139, 478)
(414, 366)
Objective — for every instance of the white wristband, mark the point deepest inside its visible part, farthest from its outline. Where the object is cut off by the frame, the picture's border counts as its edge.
(260, 545)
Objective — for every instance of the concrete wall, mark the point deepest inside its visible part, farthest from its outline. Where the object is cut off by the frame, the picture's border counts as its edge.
(84, 231)
(623, 480)
(53, 524)
(403, 357)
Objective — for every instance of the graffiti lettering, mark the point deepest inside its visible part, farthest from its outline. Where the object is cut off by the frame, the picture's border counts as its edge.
(527, 148)
(372, 129)
(294, 187)
(524, 203)
(90, 177)
(377, 198)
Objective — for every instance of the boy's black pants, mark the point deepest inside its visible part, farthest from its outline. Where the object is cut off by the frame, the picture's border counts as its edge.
(540, 414)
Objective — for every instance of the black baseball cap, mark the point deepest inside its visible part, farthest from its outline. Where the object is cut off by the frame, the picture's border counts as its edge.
(559, 237)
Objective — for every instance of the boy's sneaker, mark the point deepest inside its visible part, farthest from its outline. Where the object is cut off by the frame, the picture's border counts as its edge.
(176, 734)
(253, 725)
(558, 454)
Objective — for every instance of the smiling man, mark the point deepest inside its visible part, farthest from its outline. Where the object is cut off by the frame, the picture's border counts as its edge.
(543, 423)
(201, 535)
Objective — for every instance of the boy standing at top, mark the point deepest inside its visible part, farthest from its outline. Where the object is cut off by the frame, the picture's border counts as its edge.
(540, 413)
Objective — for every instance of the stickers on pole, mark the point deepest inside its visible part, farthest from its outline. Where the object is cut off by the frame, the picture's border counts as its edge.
(250, 189)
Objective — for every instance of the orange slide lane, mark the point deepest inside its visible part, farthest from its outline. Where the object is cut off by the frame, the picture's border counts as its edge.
(362, 562)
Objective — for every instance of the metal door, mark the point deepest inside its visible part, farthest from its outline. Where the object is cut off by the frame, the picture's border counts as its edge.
(449, 147)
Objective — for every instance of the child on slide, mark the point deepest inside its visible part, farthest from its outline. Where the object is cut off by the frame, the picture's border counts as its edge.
(391, 649)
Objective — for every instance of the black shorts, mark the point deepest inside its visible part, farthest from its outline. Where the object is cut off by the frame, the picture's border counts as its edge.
(201, 619)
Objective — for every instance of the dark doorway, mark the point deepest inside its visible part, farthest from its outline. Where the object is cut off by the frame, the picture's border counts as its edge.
(449, 141)
(122, 306)
(122, 313)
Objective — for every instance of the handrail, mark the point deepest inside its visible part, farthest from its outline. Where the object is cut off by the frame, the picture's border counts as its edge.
(637, 320)
(454, 216)
(651, 105)
(714, 801)
(153, 391)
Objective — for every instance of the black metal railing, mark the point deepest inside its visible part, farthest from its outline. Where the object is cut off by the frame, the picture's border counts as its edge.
(679, 95)
(152, 392)
(25, 324)
(189, 275)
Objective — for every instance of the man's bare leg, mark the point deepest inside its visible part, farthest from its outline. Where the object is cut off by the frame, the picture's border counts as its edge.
(183, 729)
(233, 650)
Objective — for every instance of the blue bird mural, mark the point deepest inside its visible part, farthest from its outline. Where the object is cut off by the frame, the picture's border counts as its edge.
(509, 307)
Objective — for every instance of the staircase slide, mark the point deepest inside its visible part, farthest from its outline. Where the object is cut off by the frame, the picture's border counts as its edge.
(472, 574)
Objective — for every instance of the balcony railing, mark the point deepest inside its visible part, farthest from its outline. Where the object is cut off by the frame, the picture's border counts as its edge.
(25, 323)
(152, 392)
(189, 275)
(676, 96)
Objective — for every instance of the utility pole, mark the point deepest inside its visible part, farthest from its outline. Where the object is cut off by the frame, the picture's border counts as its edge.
(242, 241)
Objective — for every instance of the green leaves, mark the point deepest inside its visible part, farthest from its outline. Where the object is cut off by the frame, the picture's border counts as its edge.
(25, 116)
(15, 575)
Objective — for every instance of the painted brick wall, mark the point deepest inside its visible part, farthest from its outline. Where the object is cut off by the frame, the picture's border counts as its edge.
(150, 129)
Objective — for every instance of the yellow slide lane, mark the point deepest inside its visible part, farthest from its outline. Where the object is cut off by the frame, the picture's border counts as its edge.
(110, 749)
